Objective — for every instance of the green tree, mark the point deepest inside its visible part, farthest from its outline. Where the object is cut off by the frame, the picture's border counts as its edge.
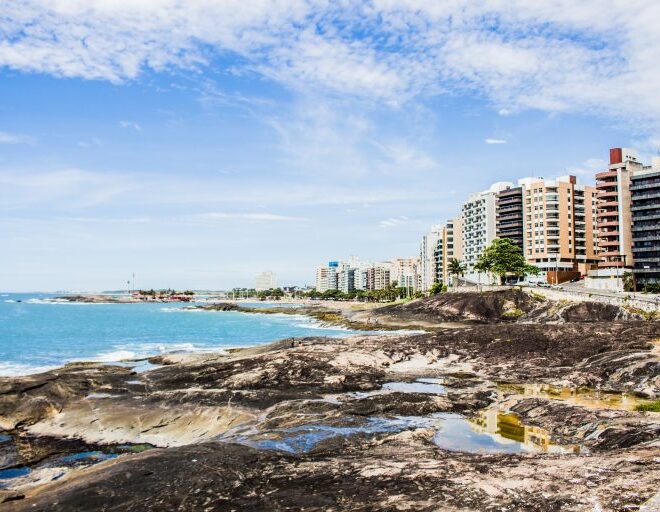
(504, 257)
(437, 288)
(628, 282)
(456, 268)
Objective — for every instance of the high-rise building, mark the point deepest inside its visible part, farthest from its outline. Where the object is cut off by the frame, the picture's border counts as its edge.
(560, 226)
(453, 246)
(479, 225)
(440, 255)
(376, 277)
(427, 258)
(326, 277)
(265, 281)
(645, 193)
(614, 213)
(510, 216)
(405, 272)
(345, 278)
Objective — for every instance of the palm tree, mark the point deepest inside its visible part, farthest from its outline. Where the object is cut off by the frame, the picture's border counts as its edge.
(456, 268)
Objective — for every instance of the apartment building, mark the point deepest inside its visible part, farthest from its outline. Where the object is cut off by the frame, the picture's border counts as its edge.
(560, 226)
(376, 277)
(509, 217)
(427, 256)
(645, 195)
(326, 277)
(346, 278)
(453, 246)
(405, 271)
(614, 209)
(440, 250)
(479, 226)
(265, 281)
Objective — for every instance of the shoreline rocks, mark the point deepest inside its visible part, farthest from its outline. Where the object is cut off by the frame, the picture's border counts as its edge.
(352, 423)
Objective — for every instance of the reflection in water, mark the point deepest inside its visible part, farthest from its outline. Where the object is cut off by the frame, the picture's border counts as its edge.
(303, 438)
(427, 386)
(584, 397)
(506, 425)
(494, 431)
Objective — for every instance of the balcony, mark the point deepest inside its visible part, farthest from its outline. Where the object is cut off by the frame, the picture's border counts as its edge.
(608, 243)
(606, 174)
(607, 193)
(606, 184)
(609, 264)
(607, 213)
(613, 223)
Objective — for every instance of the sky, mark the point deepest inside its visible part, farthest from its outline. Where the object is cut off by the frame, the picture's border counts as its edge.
(197, 143)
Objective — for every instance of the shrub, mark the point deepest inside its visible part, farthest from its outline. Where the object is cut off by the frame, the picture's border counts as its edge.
(650, 406)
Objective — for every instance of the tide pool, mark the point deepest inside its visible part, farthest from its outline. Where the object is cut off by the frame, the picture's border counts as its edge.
(36, 335)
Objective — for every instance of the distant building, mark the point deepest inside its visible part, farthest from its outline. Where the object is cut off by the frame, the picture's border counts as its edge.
(645, 192)
(326, 277)
(453, 246)
(405, 271)
(346, 278)
(427, 256)
(377, 277)
(265, 281)
(479, 226)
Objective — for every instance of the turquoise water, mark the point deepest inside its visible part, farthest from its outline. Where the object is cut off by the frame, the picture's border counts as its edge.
(36, 335)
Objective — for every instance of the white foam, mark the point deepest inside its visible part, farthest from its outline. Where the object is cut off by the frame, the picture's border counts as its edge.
(18, 369)
(9, 300)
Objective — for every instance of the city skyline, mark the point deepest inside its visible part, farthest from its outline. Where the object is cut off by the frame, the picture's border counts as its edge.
(213, 142)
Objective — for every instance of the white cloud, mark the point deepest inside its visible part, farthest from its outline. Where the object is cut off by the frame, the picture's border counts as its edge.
(14, 138)
(589, 167)
(259, 217)
(393, 222)
(495, 141)
(130, 124)
(554, 55)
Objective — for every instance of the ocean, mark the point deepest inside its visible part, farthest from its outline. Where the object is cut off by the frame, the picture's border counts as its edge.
(37, 335)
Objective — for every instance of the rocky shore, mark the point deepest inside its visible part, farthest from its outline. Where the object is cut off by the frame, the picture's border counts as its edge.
(506, 402)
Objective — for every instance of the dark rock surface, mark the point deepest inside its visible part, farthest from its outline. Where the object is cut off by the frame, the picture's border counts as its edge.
(346, 423)
(510, 305)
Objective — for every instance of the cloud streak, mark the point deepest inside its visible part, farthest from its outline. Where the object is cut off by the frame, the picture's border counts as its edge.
(14, 138)
(552, 56)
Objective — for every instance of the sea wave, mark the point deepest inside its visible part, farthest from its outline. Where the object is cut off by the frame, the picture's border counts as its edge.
(10, 369)
(144, 350)
(321, 326)
(65, 302)
(9, 300)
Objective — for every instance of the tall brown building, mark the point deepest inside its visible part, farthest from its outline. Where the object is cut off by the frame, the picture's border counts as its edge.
(614, 209)
(560, 226)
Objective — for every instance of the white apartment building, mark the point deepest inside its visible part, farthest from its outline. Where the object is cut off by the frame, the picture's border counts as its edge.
(479, 226)
(427, 258)
(326, 277)
(265, 281)
(453, 246)
(346, 278)
(405, 271)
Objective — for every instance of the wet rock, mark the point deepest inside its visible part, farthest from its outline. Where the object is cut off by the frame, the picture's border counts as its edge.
(397, 403)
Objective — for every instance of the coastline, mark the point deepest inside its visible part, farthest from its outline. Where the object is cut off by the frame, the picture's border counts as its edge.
(521, 405)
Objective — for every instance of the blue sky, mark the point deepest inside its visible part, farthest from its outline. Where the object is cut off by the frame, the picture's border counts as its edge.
(199, 143)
